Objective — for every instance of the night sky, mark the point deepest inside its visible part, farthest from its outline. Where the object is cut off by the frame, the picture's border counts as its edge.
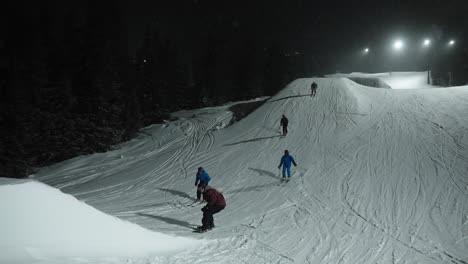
(334, 31)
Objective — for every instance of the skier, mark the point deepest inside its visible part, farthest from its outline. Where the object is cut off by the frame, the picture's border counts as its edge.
(202, 179)
(286, 161)
(284, 123)
(313, 89)
(215, 203)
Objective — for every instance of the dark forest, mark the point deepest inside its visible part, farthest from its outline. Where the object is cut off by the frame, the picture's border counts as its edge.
(70, 87)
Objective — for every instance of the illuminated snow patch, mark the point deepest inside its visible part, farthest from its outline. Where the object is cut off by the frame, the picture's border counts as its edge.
(39, 222)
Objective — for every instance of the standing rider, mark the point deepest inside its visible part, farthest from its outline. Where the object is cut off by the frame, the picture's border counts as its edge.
(201, 181)
(313, 89)
(286, 161)
(284, 123)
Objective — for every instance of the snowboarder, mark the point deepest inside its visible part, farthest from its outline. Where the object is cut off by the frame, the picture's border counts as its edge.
(202, 179)
(284, 123)
(313, 89)
(286, 161)
(215, 203)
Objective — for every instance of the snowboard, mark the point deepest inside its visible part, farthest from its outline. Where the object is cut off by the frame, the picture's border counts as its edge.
(199, 230)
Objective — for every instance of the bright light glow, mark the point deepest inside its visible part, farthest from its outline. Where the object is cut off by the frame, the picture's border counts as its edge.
(398, 44)
(426, 42)
(366, 50)
(451, 42)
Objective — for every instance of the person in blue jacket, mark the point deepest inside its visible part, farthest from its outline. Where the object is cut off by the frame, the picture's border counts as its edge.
(201, 181)
(286, 161)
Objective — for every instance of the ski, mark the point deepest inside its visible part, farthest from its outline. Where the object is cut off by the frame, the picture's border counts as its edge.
(283, 181)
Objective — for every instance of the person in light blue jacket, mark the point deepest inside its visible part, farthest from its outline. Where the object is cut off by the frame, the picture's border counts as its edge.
(201, 181)
(286, 161)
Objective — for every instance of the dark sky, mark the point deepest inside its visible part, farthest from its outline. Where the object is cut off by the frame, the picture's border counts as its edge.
(335, 28)
(302, 18)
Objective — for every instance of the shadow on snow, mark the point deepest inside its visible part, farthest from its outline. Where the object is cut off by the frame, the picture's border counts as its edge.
(256, 188)
(261, 186)
(266, 173)
(177, 193)
(287, 97)
(169, 220)
(250, 140)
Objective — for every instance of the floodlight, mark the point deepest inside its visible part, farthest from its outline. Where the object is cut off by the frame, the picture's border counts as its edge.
(426, 42)
(398, 44)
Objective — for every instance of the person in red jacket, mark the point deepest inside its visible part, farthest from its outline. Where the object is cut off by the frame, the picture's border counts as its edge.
(215, 203)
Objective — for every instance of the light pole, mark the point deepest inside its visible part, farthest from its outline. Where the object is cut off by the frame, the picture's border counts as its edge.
(426, 45)
(451, 43)
(398, 46)
(366, 59)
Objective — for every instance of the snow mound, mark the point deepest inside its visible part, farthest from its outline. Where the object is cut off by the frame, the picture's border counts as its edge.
(40, 223)
(407, 80)
(371, 82)
(396, 80)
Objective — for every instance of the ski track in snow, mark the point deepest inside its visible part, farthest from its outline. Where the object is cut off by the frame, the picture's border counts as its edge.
(381, 178)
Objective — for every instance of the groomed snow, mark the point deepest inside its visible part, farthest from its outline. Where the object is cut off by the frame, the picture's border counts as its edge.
(382, 177)
(40, 223)
(396, 80)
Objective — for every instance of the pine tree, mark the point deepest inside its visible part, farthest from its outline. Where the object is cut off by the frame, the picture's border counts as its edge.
(131, 114)
(181, 84)
(150, 73)
(208, 79)
(273, 79)
(246, 80)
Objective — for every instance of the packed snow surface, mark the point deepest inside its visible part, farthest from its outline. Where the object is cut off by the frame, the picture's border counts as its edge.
(382, 177)
(396, 80)
(41, 223)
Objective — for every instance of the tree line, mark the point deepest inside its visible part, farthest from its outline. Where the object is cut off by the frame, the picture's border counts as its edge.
(69, 86)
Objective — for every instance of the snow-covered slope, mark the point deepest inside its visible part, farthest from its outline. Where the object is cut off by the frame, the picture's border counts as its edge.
(40, 223)
(381, 177)
(396, 80)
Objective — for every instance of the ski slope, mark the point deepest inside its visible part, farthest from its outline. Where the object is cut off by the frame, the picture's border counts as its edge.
(382, 177)
(40, 223)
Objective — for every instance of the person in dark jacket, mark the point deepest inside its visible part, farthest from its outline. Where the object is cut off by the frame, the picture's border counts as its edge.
(215, 203)
(201, 180)
(284, 123)
(313, 89)
(286, 161)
